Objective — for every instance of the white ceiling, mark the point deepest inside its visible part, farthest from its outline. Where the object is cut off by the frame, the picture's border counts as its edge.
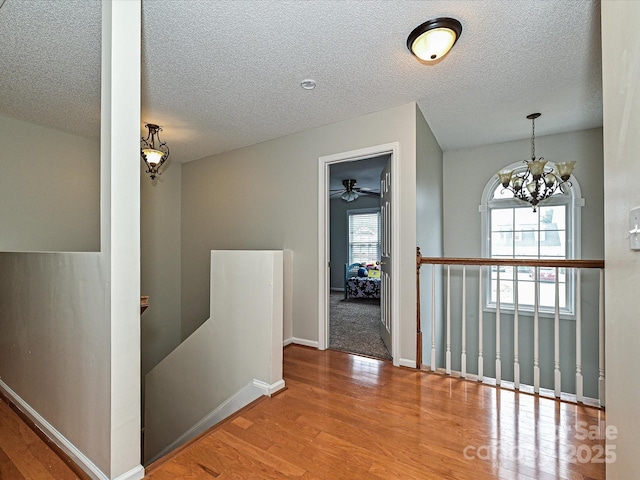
(221, 74)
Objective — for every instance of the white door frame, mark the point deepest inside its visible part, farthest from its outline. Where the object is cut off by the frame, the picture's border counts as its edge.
(323, 239)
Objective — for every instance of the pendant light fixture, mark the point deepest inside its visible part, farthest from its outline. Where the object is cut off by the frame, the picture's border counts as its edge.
(538, 182)
(154, 152)
(433, 39)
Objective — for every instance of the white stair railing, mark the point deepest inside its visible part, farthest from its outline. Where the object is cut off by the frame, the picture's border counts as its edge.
(552, 341)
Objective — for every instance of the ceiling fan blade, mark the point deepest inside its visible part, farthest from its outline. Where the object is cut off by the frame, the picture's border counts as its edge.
(366, 191)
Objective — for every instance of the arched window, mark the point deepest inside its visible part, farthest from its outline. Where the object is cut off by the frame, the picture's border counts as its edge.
(511, 229)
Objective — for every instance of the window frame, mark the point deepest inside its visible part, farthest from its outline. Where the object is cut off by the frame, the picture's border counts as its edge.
(363, 211)
(572, 199)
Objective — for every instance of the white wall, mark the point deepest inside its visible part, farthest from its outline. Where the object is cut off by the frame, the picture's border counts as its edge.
(120, 228)
(49, 189)
(265, 197)
(160, 263)
(621, 71)
(218, 367)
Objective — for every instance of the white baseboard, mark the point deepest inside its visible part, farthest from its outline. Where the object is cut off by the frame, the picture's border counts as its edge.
(267, 389)
(305, 342)
(337, 289)
(79, 458)
(407, 362)
(287, 341)
(136, 473)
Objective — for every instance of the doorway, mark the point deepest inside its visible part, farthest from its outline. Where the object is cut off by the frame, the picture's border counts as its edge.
(355, 256)
(390, 152)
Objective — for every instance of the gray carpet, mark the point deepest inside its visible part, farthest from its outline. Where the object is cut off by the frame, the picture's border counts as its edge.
(353, 326)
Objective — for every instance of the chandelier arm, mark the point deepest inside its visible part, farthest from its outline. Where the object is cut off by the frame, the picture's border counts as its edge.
(538, 181)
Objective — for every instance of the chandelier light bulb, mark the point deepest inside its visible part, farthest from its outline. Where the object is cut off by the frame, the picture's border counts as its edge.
(154, 152)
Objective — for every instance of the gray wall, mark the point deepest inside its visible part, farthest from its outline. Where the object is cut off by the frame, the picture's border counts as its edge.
(339, 238)
(621, 54)
(49, 189)
(466, 172)
(70, 343)
(54, 346)
(160, 263)
(266, 197)
(429, 224)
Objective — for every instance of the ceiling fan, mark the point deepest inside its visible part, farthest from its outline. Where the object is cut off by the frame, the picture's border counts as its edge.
(351, 192)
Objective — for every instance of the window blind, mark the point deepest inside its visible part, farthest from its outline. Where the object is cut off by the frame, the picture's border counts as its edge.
(364, 237)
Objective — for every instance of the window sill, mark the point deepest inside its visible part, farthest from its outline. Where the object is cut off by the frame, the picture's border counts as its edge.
(565, 314)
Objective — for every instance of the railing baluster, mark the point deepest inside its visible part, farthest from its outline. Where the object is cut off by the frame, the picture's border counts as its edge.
(516, 349)
(575, 289)
(463, 355)
(448, 351)
(536, 346)
(433, 318)
(480, 346)
(557, 376)
(498, 359)
(601, 383)
(579, 379)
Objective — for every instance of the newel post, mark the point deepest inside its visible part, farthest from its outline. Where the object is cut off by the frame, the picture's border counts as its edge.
(418, 328)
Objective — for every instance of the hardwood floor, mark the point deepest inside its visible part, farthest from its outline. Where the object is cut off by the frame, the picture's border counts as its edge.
(349, 417)
(24, 455)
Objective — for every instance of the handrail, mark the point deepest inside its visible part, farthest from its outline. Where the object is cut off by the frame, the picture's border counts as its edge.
(512, 262)
(447, 262)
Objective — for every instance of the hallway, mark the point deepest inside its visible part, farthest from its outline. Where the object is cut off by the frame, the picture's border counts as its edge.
(348, 417)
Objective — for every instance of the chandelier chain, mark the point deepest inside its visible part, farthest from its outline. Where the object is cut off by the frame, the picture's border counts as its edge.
(533, 139)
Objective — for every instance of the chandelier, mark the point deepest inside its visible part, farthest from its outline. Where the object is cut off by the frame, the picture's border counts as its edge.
(153, 151)
(538, 182)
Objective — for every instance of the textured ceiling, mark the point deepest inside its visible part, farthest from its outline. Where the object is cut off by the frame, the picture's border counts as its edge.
(222, 74)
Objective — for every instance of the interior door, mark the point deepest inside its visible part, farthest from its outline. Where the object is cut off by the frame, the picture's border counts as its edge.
(385, 287)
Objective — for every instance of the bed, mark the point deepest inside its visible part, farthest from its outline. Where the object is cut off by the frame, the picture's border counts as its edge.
(359, 283)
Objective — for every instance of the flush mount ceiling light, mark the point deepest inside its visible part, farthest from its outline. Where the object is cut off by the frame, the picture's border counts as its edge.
(154, 152)
(537, 182)
(433, 39)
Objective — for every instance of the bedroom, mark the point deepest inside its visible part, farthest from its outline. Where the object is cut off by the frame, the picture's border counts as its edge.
(355, 255)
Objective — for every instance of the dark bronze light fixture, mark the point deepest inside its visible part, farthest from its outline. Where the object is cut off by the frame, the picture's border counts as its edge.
(349, 194)
(153, 151)
(537, 182)
(433, 39)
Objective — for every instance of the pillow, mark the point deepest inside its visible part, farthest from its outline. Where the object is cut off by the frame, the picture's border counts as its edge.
(374, 274)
